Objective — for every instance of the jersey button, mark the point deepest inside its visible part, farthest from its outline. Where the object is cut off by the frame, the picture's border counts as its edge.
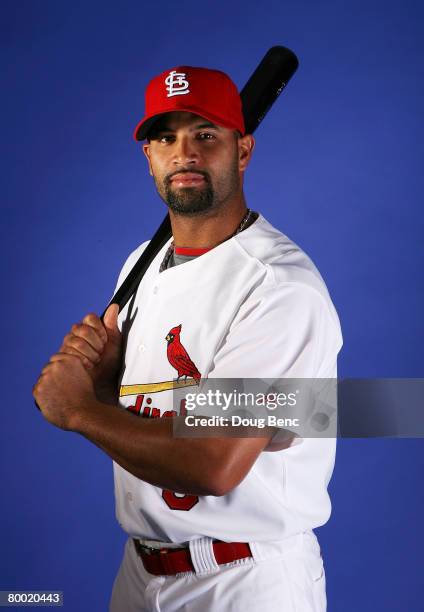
(130, 497)
(141, 348)
(155, 290)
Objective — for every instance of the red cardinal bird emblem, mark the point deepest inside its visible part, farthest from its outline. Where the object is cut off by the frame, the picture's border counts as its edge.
(178, 356)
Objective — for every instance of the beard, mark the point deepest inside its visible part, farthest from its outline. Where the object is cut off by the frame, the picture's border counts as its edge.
(191, 201)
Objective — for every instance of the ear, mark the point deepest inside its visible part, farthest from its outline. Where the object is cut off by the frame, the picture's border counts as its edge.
(146, 151)
(246, 144)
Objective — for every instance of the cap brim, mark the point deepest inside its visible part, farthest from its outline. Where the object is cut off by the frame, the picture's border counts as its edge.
(143, 127)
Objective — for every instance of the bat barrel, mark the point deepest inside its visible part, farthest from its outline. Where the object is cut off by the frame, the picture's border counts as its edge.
(266, 83)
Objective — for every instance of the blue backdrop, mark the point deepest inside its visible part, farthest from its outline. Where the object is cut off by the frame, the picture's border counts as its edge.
(337, 167)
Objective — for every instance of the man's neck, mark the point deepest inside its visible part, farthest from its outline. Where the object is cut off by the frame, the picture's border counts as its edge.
(209, 229)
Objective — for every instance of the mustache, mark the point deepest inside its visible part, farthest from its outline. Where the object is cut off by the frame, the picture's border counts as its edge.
(168, 177)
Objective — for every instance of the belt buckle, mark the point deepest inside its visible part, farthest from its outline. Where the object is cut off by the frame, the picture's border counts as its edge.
(149, 550)
(152, 550)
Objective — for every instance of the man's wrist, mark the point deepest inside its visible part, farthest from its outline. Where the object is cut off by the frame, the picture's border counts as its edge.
(82, 416)
(107, 394)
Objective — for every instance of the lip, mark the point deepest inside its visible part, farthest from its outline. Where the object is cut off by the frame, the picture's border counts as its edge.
(187, 178)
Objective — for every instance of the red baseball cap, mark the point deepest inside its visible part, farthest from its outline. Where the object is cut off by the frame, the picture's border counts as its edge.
(202, 91)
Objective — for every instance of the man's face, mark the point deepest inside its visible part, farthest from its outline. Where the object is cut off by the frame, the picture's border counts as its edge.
(195, 164)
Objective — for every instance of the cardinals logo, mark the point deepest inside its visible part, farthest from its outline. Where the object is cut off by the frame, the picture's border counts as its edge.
(178, 356)
(179, 359)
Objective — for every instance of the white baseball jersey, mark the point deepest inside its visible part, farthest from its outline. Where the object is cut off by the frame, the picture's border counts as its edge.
(254, 306)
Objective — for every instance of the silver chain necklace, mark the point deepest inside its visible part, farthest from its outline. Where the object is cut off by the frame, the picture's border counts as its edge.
(243, 223)
(250, 214)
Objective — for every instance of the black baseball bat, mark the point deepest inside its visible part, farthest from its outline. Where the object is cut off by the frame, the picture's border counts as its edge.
(257, 96)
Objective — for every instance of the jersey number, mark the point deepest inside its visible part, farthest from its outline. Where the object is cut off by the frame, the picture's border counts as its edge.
(179, 501)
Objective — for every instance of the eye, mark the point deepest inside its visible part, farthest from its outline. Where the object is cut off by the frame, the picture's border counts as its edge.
(165, 138)
(206, 136)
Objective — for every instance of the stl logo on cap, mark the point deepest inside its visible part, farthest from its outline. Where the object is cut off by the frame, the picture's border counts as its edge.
(177, 84)
(212, 95)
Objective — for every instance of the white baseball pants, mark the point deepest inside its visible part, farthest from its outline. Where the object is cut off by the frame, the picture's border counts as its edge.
(286, 576)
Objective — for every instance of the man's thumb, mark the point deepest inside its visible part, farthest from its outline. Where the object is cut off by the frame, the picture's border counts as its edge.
(110, 319)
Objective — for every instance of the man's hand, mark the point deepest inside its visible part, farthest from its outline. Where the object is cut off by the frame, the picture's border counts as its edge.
(64, 390)
(99, 347)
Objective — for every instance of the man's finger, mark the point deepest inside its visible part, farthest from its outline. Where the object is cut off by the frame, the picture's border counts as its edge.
(76, 345)
(89, 334)
(62, 357)
(71, 351)
(92, 320)
(111, 319)
(46, 368)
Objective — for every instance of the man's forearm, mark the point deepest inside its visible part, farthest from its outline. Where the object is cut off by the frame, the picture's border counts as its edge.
(148, 449)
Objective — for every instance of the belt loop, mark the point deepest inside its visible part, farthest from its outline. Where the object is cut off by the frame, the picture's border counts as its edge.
(256, 554)
(202, 556)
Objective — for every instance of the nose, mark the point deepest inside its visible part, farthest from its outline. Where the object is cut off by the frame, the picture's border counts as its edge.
(185, 151)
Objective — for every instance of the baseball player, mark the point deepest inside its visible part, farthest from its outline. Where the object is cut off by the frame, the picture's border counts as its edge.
(214, 523)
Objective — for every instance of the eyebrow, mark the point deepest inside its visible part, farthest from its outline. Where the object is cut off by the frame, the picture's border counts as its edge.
(198, 126)
(207, 124)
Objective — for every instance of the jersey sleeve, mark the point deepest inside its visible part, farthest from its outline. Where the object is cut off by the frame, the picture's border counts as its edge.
(289, 331)
(284, 331)
(126, 269)
(129, 263)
